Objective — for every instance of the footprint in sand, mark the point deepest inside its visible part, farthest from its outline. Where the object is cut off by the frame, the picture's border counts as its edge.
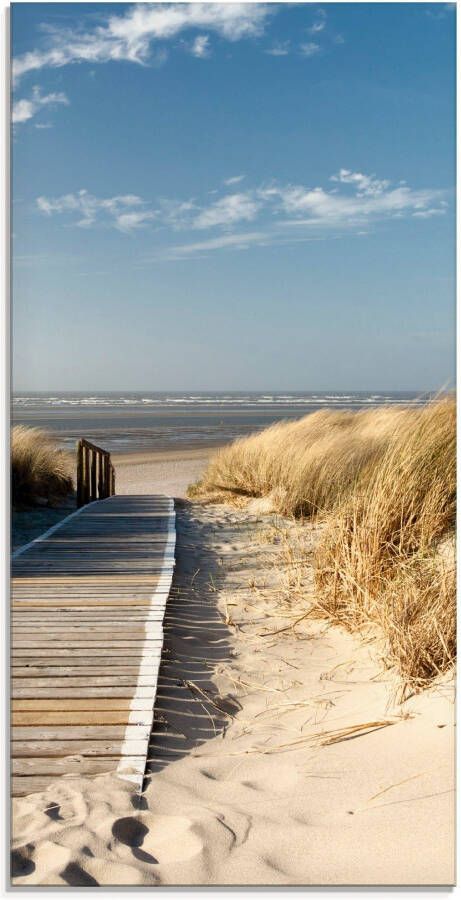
(22, 863)
(42, 815)
(74, 875)
(158, 839)
(39, 865)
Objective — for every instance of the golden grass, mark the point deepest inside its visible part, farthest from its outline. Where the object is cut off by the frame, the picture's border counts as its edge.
(387, 553)
(305, 466)
(383, 484)
(39, 471)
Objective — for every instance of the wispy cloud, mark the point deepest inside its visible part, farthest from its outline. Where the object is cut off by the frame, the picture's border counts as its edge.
(25, 109)
(310, 49)
(319, 23)
(200, 47)
(236, 179)
(350, 202)
(132, 36)
(279, 48)
(126, 212)
(227, 211)
(230, 241)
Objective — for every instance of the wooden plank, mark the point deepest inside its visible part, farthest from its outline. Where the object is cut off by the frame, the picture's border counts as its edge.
(81, 661)
(63, 733)
(61, 671)
(87, 632)
(74, 765)
(82, 748)
(96, 681)
(79, 644)
(80, 717)
(64, 652)
(45, 693)
(95, 703)
(21, 786)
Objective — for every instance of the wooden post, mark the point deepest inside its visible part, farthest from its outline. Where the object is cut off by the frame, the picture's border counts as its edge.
(80, 500)
(104, 463)
(100, 475)
(95, 473)
(86, 479)
(94, 482)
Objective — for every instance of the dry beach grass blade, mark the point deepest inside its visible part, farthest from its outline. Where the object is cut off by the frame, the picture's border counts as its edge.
(38, 469)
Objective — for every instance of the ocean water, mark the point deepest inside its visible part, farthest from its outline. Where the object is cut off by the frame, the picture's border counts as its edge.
(145, 421)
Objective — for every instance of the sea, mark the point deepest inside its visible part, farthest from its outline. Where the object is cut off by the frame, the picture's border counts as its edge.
(148, 421)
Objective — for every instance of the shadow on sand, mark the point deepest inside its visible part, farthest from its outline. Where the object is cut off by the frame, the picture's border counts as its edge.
(188, 710)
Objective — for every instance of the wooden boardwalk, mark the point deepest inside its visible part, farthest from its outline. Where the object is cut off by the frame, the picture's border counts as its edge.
(88, 600)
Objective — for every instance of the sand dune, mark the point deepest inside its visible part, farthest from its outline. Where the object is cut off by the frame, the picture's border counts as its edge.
(277, 757)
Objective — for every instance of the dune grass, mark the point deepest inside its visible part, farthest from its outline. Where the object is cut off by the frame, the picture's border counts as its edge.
(39, 471)
(382, 482)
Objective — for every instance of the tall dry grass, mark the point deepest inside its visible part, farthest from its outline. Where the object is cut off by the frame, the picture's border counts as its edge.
(39, 471)
(305, 466)
(383, 482)
(387, 552)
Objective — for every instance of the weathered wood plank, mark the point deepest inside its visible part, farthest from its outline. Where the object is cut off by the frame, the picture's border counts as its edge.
(79, 644)
(63, 733)
(61, 671)
(80, 747)
(78, 703)
(66, 765)
(84, 661)
(65, 651)
(42, 718)
(28, 693)
(96, 681)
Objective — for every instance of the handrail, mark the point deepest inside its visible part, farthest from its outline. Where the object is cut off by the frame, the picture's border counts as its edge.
(95, 473)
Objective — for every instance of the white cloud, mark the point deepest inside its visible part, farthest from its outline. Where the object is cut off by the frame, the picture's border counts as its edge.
(229, 241)
(130, 36)
(372, 200)
(352, 202)
(226, 212)
(234, 180)
(319, 23)
(310, 49)
(125, 212)
(280, 48)
(128, 221)
(27, 108)
(366, 184)
(201, 46)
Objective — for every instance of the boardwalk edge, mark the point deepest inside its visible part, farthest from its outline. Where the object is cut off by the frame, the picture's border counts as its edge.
(128, 768)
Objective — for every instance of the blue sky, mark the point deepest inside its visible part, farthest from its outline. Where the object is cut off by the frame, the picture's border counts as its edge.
(233, 196)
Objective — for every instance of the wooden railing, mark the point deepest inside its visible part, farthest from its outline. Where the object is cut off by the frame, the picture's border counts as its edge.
(95, 473)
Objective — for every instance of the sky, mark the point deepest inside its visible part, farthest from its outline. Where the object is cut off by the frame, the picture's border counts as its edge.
(226, 196)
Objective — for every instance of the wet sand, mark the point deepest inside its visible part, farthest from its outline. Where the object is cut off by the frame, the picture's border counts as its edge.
(164, 472)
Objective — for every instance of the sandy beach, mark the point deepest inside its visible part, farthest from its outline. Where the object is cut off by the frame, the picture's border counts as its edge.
(279, 754)
(164, 472)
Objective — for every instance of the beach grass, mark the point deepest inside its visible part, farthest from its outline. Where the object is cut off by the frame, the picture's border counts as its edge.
(383, 484)
(39, 470)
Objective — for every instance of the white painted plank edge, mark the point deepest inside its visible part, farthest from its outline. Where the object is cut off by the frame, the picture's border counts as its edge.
(159, 598)
(46, 534)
